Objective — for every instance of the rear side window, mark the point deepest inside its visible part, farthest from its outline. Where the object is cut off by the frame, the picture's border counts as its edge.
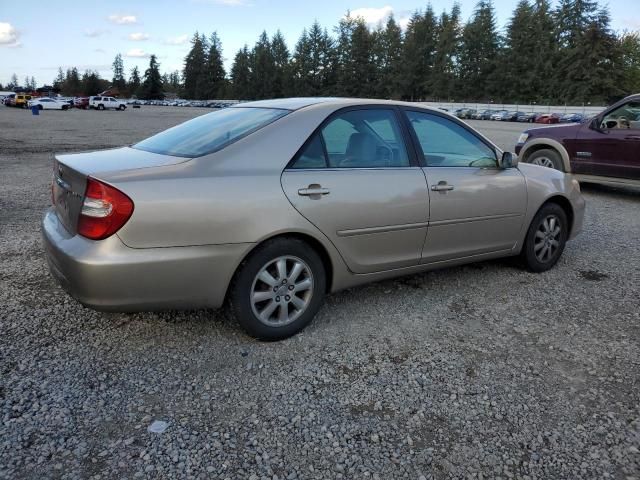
(211, 132)
(368, 138)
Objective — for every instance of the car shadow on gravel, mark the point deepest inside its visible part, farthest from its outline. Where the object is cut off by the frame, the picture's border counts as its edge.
(627, 193)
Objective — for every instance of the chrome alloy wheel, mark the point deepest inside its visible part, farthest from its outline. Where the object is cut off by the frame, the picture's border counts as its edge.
(281, 291)
(543, 162)
(546, 241)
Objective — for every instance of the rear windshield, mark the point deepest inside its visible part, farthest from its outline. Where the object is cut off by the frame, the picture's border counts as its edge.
(211, 132)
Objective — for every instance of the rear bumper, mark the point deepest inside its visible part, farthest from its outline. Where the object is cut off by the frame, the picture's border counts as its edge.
(108, 275)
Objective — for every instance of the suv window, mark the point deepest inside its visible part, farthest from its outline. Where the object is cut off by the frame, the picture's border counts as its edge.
(625, 116)
(444, 143)
(211, 132)
(368, 138)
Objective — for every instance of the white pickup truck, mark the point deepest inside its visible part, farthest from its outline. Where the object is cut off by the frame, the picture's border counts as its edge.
(104, 103)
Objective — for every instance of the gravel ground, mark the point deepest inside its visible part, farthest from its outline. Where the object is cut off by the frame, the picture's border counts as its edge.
(484, 371)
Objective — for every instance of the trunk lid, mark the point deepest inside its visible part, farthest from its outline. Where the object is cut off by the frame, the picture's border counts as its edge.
(70, 172)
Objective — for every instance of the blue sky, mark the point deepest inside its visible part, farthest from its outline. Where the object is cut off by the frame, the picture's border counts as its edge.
(36, 40)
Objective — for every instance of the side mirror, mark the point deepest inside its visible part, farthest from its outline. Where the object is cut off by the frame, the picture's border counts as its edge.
(508, 160)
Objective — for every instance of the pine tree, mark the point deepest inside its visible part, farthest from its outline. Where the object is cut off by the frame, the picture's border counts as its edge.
(194, 68)
(544, 52)
(241, 75)
(518, 61)
(91, 84)
(314, 63)
(263, 68)
(118, 80)
(134, 81)
(444, 76)
(360, 68)
(152, 83)
(387, 51)
(215, 72)
(59, 80)
(343, 73)
(479, 52)
(418, 59)
(282, 78)
(629, 47)
(72, 86)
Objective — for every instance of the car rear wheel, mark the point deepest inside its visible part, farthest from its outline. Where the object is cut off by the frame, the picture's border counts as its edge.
(546, 158)
(546, 238)
(278, 289)
(100, 107)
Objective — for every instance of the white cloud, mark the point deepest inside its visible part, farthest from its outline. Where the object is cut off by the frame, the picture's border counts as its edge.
(179, 40)
(138, 36)
(123, 19)
(93, 33)
(374, 16)
(9, 36)
(137, 53)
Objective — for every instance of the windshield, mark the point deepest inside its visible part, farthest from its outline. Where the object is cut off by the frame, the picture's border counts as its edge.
(211, 132)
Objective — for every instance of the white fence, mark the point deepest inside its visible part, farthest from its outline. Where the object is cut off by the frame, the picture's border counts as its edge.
(529, 107)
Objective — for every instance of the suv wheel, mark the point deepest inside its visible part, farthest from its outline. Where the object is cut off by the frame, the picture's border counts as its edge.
(546, 158)
(100, 107)
(122, 107)
(279, 289)
(546, 238)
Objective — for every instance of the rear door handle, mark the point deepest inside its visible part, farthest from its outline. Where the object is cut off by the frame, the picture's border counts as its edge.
(442, 186)
(314, 191)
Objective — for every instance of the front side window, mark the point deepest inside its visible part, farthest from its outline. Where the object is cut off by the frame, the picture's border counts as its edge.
(626, 116)
(211, 132)
(444, 143)
(368, 138)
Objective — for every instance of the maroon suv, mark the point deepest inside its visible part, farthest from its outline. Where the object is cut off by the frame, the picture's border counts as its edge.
(600, 149)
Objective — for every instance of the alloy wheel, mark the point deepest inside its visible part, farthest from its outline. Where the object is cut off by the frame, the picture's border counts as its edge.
(543, 162)
(546, 241)
(281, 291)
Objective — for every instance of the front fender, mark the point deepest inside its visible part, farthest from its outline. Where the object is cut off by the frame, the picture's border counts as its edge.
(536, 143)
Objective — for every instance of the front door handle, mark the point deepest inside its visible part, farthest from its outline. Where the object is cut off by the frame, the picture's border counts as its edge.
(442, 186)
(313, 191)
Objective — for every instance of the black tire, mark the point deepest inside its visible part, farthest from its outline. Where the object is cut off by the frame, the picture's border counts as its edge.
(122, 107)
(100, 107)
(243, 284)
(531, 250)
(547, 157)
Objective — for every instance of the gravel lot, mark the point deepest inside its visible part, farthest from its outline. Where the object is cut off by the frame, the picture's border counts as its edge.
(484, 371)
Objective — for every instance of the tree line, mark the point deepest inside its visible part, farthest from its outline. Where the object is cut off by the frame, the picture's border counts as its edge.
(563, 54)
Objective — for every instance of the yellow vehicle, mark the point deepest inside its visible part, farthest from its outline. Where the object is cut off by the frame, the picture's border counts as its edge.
(21, 100)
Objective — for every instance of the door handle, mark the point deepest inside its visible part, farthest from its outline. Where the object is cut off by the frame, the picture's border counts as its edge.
(442, 186)
(314, 191)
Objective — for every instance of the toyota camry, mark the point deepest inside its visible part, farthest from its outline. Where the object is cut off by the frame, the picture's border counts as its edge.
(270, 205)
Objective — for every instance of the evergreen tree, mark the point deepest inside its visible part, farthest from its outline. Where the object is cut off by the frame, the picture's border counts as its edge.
(444, 76)
(343, 73)
(194, 68)
(13, 84)
(479, 52)
(518, 61)
(91, 84)
(282, 79)
(152, 84)
(360, 68)
(419, 51)
(629, 47)
(72, 86)
(241, 75)
(59, 80)
(263, 68)
(314, 62)
(215, 72)
(118, 80)
(544, 52)
(388, 57)
(134, 81)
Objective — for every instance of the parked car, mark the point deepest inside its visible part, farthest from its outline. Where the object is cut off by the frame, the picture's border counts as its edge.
(484, 115)
(272, 204)
(105, 103)
(19, 100)
(499, 114)
(81, 102)
(571, 118)
(7, 101)
(548, 118)
(526, 117)
(46, 103)
(603, 149)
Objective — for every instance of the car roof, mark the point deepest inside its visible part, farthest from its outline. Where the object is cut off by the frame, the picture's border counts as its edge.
(302, 102)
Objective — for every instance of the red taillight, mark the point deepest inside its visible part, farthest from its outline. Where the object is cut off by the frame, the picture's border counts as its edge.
(104, 211)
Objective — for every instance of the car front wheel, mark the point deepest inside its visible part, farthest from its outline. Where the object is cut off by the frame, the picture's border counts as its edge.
(546, 158)
(546, 238)
(278, 289)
